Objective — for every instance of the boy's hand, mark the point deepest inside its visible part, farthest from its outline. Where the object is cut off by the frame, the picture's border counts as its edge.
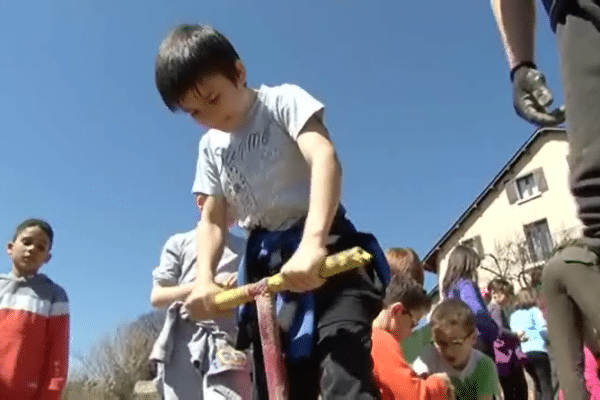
(446, 379)
(226, 280)
(200, 304)
(301, 271)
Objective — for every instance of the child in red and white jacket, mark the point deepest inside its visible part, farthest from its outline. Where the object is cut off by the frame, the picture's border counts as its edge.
(34, 320)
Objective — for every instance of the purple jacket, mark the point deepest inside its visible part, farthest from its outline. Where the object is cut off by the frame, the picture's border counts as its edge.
(507, 347)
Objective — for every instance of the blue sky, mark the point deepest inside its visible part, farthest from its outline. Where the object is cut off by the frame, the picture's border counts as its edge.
(417, 101)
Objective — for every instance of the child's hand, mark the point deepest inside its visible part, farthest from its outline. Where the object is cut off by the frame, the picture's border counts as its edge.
(301, 271)
(522, 336)
(226, 280)
(446, 379)
(200, 304)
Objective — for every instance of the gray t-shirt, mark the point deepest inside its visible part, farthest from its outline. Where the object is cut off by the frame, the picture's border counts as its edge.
(178, 259)
(178, 266)
(182, 341)
(260, 169)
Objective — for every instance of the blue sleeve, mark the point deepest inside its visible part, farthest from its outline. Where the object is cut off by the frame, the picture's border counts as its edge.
(515, 321)
(488, 329)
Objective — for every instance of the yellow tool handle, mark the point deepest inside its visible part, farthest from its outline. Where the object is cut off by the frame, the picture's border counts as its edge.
(334, 264)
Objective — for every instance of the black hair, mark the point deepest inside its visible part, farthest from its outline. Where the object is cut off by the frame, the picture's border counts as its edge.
(463, 263)
(451, 312)
(187, 55)
(501, 285)
(43, 225)
(404, 289)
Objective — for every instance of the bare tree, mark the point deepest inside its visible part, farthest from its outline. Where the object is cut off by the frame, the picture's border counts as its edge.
(120, 359)
(512, 258)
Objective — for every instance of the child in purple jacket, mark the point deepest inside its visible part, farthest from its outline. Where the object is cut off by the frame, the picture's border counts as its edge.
(460, 283)
(508, 355)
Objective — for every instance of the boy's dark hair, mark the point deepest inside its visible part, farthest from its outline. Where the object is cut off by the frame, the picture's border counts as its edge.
(188, 54)
(405, 261)
(404, 289)
(501, 285)
(526, 298)
(43, 225)
(463, 263)
(452, 312)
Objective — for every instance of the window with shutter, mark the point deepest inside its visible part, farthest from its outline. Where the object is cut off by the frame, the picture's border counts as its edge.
(539, 240)
(526, 186)
(540, 179)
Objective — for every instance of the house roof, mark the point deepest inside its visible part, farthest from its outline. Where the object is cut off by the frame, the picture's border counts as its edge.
(430, 260)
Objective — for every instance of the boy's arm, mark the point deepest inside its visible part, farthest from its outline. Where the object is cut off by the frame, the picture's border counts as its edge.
(56, 360)
(301, 271)
(164, 296)
(211, 234)
(165, 289)
(395, 377)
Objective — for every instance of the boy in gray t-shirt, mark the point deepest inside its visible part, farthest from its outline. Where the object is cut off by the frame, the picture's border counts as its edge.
(268, 158)
(190, 355)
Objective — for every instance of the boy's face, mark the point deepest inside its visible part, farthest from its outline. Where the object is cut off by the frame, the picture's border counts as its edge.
(216, 102)
(29, 251)
(405, 320)
(454, 344)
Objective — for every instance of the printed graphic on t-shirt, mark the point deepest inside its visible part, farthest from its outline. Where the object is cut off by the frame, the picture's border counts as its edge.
(260, 169)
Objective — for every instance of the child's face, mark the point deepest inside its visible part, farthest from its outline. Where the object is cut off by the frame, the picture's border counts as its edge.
(29, 251)
(216, 102)
(454, 344)
(405, 320)
(500, 298)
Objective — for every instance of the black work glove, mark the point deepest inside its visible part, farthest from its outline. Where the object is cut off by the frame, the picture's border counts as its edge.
(531, 97)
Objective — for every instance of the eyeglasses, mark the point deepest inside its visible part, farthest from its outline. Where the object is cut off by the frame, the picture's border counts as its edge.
(452, 344)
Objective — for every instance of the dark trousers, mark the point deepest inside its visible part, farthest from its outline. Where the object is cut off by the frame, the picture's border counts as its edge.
(340, 366)
(571, 281)
(514, 384)
(553, 373)
(538, 366)
(571, 278)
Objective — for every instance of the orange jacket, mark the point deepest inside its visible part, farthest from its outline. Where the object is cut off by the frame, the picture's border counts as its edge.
(394, 377)
(34, 338)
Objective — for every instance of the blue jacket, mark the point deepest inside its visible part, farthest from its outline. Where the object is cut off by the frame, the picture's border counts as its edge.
(267, 251)
(532, 322)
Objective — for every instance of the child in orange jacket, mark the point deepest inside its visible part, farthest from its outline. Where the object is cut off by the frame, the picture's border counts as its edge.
(34, 320)
(405, 303)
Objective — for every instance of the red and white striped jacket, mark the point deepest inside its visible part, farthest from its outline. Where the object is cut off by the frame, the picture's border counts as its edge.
(34, 338)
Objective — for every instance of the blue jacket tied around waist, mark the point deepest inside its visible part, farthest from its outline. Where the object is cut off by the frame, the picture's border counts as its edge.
(267, 251)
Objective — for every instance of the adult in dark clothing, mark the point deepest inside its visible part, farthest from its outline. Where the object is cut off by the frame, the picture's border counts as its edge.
(572, 276)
